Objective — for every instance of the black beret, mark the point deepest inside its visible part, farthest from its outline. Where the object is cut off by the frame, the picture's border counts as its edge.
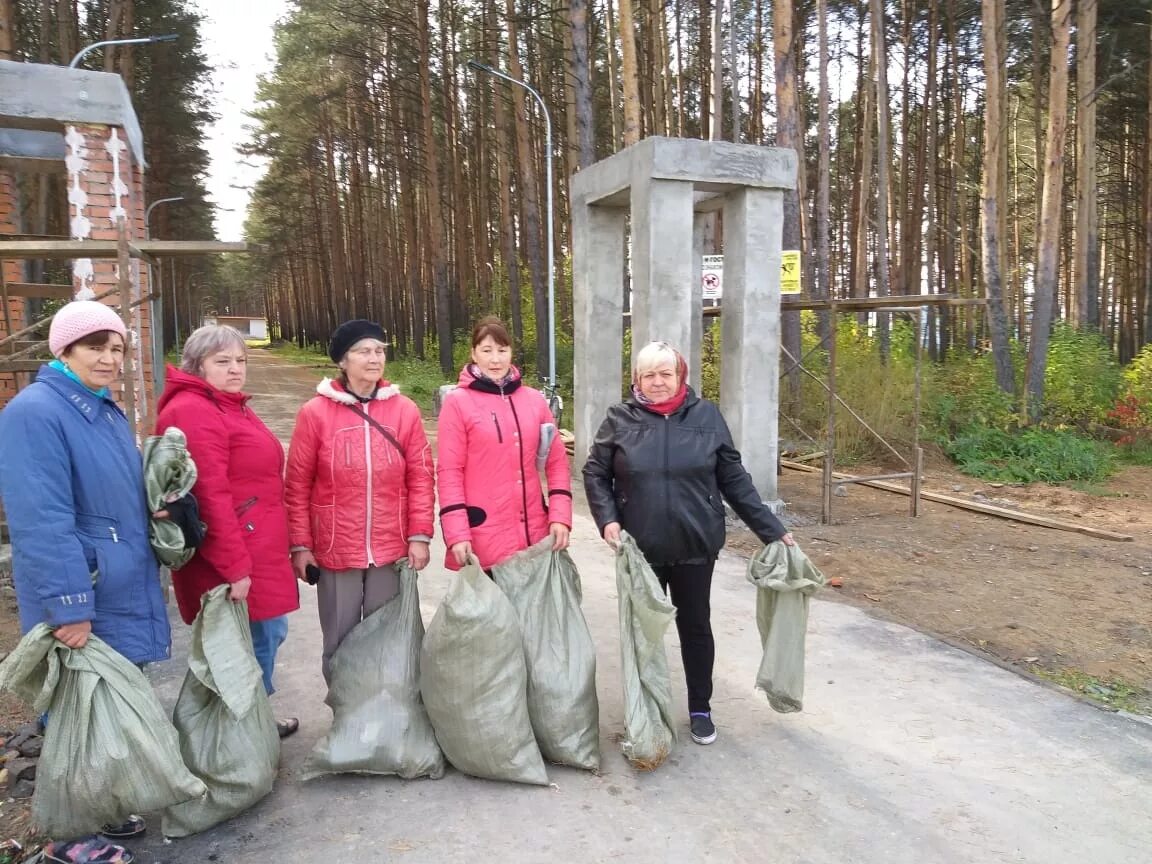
(351, 332)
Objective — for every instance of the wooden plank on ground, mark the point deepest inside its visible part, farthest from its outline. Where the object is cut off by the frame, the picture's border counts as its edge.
(974, 506)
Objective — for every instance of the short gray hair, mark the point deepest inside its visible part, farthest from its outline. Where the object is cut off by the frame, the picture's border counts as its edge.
(206, 341)
(653, 356)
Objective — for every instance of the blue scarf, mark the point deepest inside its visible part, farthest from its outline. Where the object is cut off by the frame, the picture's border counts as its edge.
(61, 366)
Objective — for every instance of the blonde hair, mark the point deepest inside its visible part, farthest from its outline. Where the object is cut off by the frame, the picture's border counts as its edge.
(653, 356)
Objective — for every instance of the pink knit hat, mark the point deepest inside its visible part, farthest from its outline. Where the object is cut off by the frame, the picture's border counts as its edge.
(82, 318)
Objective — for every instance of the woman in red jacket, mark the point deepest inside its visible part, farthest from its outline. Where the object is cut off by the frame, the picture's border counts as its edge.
(239, 489)
(489, 436)
(359, 486)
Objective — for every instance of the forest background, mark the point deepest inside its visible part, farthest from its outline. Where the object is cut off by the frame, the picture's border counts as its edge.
(996, 150)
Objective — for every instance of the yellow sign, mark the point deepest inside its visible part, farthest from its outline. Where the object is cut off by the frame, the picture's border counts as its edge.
(790, 272)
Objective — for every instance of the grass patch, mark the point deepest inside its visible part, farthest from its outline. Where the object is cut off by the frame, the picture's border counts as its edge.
(1030, 455)
(417, 379)
(1114, 694)
(293, 353)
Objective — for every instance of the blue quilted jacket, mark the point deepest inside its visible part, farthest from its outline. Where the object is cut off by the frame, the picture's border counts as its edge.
(73, 491)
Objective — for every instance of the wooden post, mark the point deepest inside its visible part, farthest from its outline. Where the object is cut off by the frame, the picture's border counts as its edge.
(128, 377)
(917, 450)
(830, 444)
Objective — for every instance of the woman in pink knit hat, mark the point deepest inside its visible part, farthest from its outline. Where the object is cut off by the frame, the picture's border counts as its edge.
(72, 484)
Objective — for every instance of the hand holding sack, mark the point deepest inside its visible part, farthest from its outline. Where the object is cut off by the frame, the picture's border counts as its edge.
(785, 580)
(474, 682)
(227, 729)
(544, 588)
(645, 614)
(379, 725)
(109, 749)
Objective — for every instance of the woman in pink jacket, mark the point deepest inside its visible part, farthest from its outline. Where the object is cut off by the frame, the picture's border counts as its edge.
(359, 486)
(489, 435)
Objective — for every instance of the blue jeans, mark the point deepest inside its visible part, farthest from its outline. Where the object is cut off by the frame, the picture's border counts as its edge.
(267, 636)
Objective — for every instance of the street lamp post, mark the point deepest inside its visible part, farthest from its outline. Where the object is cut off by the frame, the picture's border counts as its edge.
(483, 67)
(167, 37)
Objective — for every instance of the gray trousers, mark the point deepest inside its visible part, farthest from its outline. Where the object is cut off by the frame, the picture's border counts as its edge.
(346, 597)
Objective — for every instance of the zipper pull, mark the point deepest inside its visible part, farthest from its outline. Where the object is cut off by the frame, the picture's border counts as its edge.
(115, 539)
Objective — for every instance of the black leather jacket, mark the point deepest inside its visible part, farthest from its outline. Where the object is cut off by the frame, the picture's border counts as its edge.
(662, 479)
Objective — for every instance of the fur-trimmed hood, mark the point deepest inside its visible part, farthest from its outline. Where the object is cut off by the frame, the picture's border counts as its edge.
(332, 389)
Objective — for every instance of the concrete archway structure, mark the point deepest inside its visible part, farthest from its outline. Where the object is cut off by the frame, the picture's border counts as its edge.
(668, 185)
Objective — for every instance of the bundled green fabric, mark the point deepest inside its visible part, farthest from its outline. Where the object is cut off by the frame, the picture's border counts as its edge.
(474, 682)
(544, 588)
(645, 614)
(109, 750)
(379, 725)
(169, 473)
(785, 580)
(227, 731)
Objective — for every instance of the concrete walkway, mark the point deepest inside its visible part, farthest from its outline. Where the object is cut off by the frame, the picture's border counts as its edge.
(908, 752)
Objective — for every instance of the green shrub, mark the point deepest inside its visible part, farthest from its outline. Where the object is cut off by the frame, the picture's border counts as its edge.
(1047, 455)
(1082, 379)
(1138, 383)
(963, 393)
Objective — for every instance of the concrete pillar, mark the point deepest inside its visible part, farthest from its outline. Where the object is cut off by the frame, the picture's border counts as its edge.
(750, 329)
(598, 307)
(695, 351)
(665, 296)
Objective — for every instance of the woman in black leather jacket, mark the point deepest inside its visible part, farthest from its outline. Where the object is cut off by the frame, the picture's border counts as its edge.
(659, 467)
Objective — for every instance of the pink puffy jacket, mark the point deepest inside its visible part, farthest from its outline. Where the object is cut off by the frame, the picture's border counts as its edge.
(353, 498)
(489, 488)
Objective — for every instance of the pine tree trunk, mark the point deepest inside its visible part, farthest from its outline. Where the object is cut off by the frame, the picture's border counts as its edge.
(630, 73)
(883, 161)
(823, 286)
(613, 85)
(789, 135)
(532, 237)
(1087, 255)
(1147, 335)
(990, 203)
(436, 244)
(716, 124)
(582, 83)
(1050, 209)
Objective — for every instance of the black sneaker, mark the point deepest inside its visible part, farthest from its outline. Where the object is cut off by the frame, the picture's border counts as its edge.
(133, 827)
(703, 729)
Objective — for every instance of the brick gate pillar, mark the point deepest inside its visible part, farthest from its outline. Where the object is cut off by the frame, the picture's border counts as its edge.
(106, 185)
(13, 271)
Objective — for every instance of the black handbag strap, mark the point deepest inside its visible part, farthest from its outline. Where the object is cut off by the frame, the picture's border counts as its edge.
(364, 415)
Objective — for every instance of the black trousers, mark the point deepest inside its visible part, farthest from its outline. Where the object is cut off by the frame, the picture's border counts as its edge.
(690, 586)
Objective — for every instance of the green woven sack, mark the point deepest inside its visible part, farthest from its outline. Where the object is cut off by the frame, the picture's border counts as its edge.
(379, 724)
(544, 588)
(109, 749)
(227, 731)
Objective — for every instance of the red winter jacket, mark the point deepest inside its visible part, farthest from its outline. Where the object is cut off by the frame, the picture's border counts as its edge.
(240, 490)
(353, 498)
(489, 487)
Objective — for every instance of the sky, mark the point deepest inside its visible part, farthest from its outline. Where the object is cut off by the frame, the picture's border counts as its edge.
(238, 42)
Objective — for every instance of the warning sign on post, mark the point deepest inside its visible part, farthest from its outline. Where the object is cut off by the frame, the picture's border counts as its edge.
(790, 272)
(713, 277)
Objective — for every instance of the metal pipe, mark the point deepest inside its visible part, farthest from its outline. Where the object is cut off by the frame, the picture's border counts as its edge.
(168, 37)
(484, 67)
